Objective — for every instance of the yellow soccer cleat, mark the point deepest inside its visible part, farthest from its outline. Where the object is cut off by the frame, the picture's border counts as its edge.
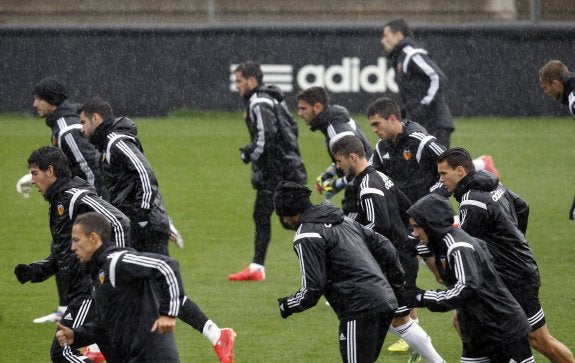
(400, 346)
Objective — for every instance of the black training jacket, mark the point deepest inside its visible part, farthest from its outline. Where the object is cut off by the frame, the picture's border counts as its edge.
(131, 290)
(355, 268)
(411, 162)
(422, 86)
(82, 155)
(490, 212)
(129, 176)
(69, 198)
(488, 314)
(273, 149)
(384, 208)
(569, 92)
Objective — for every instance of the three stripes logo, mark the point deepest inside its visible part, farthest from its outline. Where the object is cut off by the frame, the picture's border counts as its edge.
(280, 75)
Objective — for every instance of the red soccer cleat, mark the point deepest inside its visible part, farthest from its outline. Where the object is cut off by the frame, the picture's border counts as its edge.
(248, 274)
(96, 357)
(224, 348)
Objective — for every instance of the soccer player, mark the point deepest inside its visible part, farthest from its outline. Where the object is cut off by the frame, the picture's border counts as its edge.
(69, 196)
(493, 326)
(273, 152)
(422, 84)
(493, 213)
(334, 122)
(384, 210)
(556, 81)
(356, 269)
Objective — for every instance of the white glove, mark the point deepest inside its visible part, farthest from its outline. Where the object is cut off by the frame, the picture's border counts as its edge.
(24, 185)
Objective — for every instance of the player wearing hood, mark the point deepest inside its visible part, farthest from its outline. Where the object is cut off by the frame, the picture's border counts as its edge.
(493, 326)
(273, 152)
(493, 213)
(357, 270)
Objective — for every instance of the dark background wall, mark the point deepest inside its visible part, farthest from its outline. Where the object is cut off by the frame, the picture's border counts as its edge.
(491, 68)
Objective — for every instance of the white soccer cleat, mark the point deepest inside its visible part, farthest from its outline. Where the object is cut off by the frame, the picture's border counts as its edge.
(54, 317)
(176, 237)
(24, 185)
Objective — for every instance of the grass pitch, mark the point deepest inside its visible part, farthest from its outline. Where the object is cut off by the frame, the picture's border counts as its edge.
(207, 192)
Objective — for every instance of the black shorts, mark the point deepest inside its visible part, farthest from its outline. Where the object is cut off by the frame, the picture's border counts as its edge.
(360, 340)
(527, 295)
(517, 350)
(410, 266)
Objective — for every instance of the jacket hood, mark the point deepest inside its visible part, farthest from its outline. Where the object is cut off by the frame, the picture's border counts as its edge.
(480, 180)
(121, 125)
(323, 213)
(67, 183)
(434, 214)
(331, 114)
(66, 109)
(395, 54)
(272, 90)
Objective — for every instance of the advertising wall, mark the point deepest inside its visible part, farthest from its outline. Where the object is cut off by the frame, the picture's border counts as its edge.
(491, 69)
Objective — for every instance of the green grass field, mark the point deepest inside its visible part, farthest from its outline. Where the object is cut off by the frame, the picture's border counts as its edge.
(208, 194)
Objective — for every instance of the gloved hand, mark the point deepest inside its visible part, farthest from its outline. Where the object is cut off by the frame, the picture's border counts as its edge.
(244, 156)
(284, 310)
(24, 185)
(328, 174)
(332, 186)
(414, 298)
(23, 273)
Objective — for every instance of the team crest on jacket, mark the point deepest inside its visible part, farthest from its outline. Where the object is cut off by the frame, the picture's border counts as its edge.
(406, 154)
(60, 209)
(102, 277)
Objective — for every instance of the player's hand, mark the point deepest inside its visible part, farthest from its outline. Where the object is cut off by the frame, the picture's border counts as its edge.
(64, 335)
(23, 273)
(244, 156)
(164, 324)
(24, 185)
(414, 298)
(284, 309)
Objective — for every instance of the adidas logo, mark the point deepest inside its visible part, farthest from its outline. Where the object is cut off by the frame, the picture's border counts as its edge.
(342, 337)
(68, 317)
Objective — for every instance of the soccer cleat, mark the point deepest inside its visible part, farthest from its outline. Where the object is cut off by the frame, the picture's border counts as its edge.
(94, 356)
(54, 317)
(175, 236)
(248, 274)
(400, 346)
(224, 347)
(489, 165)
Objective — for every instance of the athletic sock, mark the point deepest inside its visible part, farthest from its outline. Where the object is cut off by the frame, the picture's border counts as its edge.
(418, 340)
(256, 267)
(212, 332)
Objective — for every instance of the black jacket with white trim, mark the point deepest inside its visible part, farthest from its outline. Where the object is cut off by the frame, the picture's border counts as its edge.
(355, 268)
(132, 290)
(411, 162)
(488, 314)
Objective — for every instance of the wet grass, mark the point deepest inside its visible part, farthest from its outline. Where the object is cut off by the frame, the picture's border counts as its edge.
(208, 195)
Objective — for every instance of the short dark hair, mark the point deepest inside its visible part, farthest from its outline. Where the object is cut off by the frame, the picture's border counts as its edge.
(95, 222)
(347, 145)
(554, 70)
(97, 105)
(455, 157)
(50, 155)
(384, 107)
(314, 95)
(399, 25)
(251, 69)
